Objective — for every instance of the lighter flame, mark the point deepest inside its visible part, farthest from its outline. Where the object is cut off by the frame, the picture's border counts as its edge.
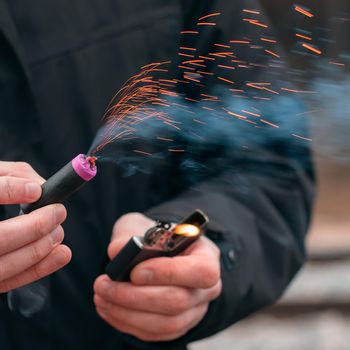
(187, 230)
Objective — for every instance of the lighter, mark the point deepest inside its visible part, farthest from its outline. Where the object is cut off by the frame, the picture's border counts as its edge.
(164, 239)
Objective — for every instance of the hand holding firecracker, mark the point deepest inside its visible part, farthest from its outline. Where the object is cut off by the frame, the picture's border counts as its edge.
(30, 245)
(166, 296)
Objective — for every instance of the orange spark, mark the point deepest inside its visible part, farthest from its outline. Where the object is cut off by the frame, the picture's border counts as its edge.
(189, 32)
(160, 104)
(191, 79)
(303, 36)
(222, 45)
(220, 54)
(192, 61)
(303, 11)
(251, 113)
(270, 90)
(207, 58)
(185, 67)
(188, 48)
(227, 67)
(234, 114)
(272, 53)
(226, 80)
(209, 15)
(210, 96)
(239, 41)
(268, 40)
(168, 81)
(132, 105)
(172, 125)
(312, 48)
(255, 22)
(190, 99)
(204, 73)
(237, 90)
(269, 123)
(185, 55)
(254, 12)
(298, 91)
(206, 24)
(182, 81)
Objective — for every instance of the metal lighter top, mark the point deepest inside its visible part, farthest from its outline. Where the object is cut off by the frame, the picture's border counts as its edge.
(164, 239)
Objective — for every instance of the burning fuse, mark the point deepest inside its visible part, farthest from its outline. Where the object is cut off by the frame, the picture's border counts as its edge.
(161, 240)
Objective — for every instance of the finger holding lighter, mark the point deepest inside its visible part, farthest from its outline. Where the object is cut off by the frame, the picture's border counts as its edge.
(167, 296)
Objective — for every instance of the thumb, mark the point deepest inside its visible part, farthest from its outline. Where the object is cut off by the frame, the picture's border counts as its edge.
(131, 224)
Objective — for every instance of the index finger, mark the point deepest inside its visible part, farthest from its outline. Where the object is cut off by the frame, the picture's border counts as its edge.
(132, 224)
(199, 269)
(15, 190)
(21, 170)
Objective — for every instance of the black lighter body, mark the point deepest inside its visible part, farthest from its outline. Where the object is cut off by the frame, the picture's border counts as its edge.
(162, 240)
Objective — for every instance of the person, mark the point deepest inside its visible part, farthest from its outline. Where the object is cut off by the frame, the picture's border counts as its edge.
(60, 63)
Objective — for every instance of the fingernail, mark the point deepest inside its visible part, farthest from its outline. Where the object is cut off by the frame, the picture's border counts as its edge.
(104, 288)
(32, 190)
(59, 259)
(143, 276)
(56, 235)
(60, 212)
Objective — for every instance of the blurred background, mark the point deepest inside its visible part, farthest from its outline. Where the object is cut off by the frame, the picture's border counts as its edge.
(314, 312)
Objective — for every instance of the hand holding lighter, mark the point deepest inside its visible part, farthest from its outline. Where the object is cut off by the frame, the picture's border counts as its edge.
(162, 240)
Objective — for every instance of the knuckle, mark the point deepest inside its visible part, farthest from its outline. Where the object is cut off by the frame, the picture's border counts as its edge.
(9, 188)
(40, 226)
(126, 297)
(177, 302)
(211, 276)
(38, 252)
(166, 275)
(37, 273)
(175, 325)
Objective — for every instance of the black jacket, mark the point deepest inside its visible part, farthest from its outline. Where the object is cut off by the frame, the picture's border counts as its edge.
(60, 63)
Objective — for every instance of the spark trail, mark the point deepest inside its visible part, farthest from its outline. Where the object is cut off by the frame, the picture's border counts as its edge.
(151, 95)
